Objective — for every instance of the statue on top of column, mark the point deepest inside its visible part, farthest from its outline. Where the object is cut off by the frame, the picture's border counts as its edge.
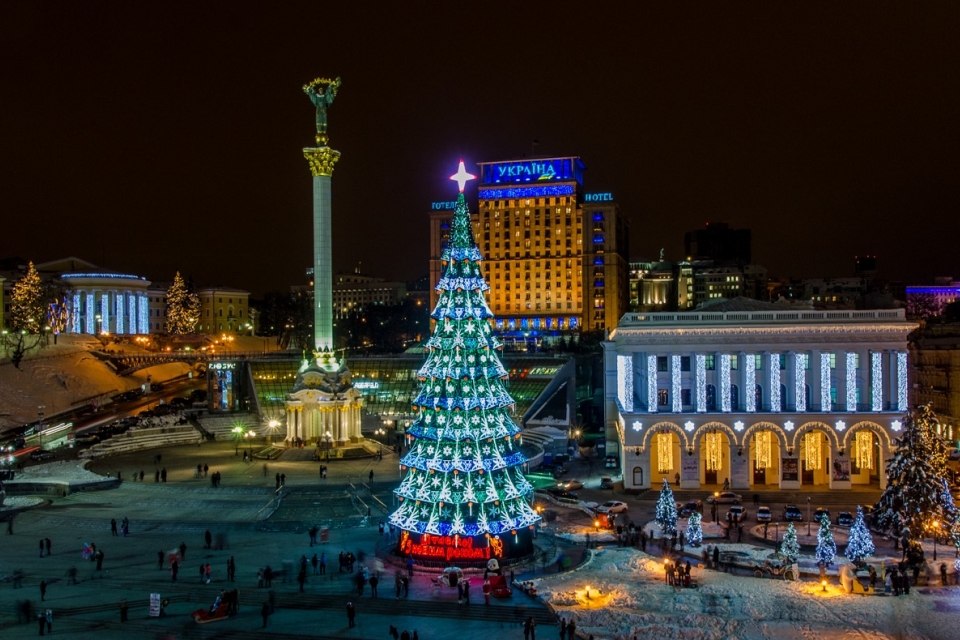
(321, 92)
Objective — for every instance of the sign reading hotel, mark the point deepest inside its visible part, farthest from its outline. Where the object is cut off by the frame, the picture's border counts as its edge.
(449, 547)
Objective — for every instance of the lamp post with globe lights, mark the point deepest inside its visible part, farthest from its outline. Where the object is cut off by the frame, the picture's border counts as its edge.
(250, 435)
(272, 425)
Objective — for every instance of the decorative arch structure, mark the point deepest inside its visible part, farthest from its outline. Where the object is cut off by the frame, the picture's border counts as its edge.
(764, 426)
(666, 426)
(810, 426)
(872, 426)
(718, 426)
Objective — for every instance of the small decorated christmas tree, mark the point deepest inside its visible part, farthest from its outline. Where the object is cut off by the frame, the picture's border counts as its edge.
(859, 542)
(826, 547)
(790, 547)
(694, 529)
(666, 515)
(183, 308)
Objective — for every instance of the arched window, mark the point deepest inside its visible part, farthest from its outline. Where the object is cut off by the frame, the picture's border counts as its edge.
(637, 476)
(711, 398)
(734, 397)
(758, 395)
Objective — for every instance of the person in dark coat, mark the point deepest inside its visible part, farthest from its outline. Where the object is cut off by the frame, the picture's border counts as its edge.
(183, 551)
(374, 581)
(160, 559)
(46, 542)
(351, 615)
(123, 610)
(99, 559)
(113, 526)
(43, 590)
(716, 557)
(265, 612)
(207, 539)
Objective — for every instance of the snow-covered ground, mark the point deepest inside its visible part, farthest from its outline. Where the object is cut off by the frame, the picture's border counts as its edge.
(628, 597)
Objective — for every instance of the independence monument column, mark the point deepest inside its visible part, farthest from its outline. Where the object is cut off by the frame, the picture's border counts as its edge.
(322, 160)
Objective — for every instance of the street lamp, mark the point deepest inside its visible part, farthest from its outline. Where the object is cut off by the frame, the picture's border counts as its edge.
(716, 509)
(936, 530)
(250, 434)
(237, 434)
(40, 424)
(273, 425)
(99, 320)
(808, 517)
(327, 441)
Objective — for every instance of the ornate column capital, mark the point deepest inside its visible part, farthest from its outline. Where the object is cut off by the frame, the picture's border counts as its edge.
(321, 160)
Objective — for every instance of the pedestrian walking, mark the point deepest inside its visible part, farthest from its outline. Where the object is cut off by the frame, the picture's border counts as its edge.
(410, 567)
(460, 593)
(265, 612)
(314, 562)
(283, 479)
(42, 619)
(943, 573)
(231, 569)
(351, 615)
(113, 526)
(563, 629)
(207, 539)
(207, 573)
(43, 590)
(486, 592)
(183, 551)
(123, 610)
(323, 563)
(203, 572)
(174, 569)
(259, 578)
(10, 526)
(163, 474)
(48, 616)
(716, 557)
(302, 578)
(99, 559)
(466, 592)
(371, 475)
(160, 559)
(205, 469)
(530, 629)
(360, 582)
(46, 542)
(156, 475)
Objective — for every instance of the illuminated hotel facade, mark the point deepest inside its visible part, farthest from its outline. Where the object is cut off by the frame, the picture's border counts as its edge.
(556, 258)
(767, 399)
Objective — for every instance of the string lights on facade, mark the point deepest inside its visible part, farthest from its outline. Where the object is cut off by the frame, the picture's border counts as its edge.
(675, 384)
(812, 445)
(713, 453)
(701, 373)
(826, 402)
(876, 381)
(901, 381)
(652, 383)
(775, 383)
(750, 383)
(665, 452)
(625, 382)
(763, 455)
(851, 381)
(799, 368)
(725, 382)
(864, 449)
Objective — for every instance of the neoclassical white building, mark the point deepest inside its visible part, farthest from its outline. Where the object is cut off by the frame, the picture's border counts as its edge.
(777, 398)
(107, 302)
(324, 407)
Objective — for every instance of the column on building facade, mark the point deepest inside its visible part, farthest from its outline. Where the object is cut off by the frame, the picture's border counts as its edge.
(131, 313)
(850, 380)
(625, 382)
(824, 381)
(799, 381)
(749, 395)
(700, 373)
(775, 402)
(76, 310)
(651, 383)
(788, 400)
(723, 372)
(118, 313)
(676, 384)
(104, 312)
(876, 381)
(902, 400)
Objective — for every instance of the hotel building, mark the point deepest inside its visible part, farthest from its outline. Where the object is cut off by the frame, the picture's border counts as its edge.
(556, 258)
(757, 394)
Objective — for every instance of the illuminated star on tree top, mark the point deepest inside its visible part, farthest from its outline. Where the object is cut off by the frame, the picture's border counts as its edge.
(461, 176)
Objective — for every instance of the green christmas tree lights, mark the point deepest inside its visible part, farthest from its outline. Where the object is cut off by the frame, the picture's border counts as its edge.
(666, 514)
(826, 547)
(859, 540)
(464, 466)
(790, 547)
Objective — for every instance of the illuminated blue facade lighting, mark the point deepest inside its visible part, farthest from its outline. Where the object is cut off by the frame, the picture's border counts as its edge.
(799, 381)
(724, 382)
(851, 381)
(90, 313)
(775, 400)
(701, 373)
(750, 373)
(651, 383)
(876, 381)
(826, 403)
(119, 312)
(625, 382)
(902, 381)
(675, 383)
(132, 314)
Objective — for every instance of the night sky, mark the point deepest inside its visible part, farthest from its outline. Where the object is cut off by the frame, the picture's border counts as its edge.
(154, 137)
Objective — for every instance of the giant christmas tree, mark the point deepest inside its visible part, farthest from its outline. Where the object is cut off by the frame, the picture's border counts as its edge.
(464, 496)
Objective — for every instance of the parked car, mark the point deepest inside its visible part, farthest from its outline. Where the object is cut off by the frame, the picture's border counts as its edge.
(764, 515)
(606, 482)
(612, 506)
(610, 462)
(820, 514)
(689, 507)
(557, 492)
(844, 519)
(737, 513)
(570, 485)
(726, 497)
(40, 455)
(792, 513)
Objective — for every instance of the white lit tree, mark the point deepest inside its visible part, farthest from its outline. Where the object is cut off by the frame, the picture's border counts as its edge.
(789, 546)
(26, 302)
(694, 529)
(183, 308)
(918, 492)
(859, 541)
(826, 547)
(666, 514)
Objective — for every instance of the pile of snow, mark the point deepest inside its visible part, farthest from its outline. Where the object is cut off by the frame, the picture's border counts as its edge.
(628, 597)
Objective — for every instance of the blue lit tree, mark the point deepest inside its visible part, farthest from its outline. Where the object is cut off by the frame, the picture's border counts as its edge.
(464, 467)
(694, 529)
(859, 541)
(826, 547)
(789, 546)
(666, 514)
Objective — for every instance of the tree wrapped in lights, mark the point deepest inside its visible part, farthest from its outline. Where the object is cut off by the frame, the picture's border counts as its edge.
(666, 514)
(859, 541)
(464, 494)
(826, 547)
(695, 529)
(26, 302)
(58, 317)
(789, 546)
(918, 492)
(183, 308)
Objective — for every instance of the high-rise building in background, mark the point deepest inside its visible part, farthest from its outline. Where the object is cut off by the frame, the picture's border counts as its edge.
(556, 256)
(718, 242)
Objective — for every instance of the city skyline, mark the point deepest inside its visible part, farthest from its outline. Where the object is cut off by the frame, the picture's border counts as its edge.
(152, 141)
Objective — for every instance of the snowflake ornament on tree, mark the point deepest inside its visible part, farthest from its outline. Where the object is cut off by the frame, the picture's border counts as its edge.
(826, 547)
(666, 515)
(694, 529)
(790, 547)
(859, 542)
